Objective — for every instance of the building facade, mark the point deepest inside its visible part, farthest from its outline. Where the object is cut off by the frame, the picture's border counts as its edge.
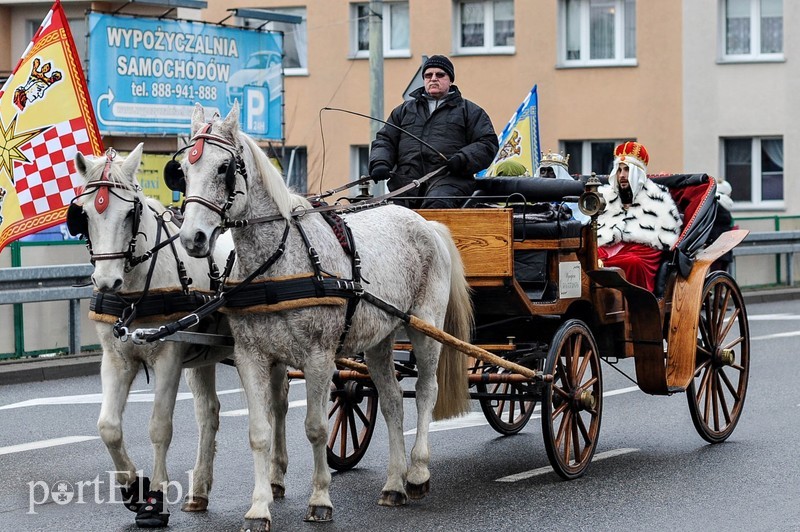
(705, 84)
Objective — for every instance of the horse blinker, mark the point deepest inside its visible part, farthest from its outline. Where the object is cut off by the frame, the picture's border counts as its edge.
(77, 221)
(174, 177)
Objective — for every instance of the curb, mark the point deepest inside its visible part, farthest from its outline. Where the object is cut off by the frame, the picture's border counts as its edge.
(51, 368)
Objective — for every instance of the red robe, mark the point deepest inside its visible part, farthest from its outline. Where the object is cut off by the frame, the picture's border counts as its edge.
(639, 262)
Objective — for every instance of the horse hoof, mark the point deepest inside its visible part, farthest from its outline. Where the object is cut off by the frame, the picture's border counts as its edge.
(278, 491)
(195, 503)
(134, 495)
(152, 513)
(255, 525)
(319, 514)
(392, 498)
(418, 491)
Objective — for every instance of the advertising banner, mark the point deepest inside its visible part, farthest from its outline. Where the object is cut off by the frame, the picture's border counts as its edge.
(145, 75)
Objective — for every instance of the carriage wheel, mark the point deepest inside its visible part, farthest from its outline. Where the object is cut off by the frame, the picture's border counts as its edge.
(351, 422)
(716, 394)
(506, 416)
(573, 401)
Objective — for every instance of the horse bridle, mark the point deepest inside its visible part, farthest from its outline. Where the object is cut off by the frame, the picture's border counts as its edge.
(78, 222)
(176, 179)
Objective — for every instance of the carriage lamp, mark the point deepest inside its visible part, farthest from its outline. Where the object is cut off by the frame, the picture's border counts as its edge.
(591, 202)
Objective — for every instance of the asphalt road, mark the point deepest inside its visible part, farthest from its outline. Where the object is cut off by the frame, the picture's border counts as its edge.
(651, 472)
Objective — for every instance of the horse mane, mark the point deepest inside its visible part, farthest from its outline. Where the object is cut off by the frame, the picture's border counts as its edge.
(273, 182)
(94, 172)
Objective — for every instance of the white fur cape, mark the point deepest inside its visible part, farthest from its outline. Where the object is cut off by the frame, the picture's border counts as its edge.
(653, 218)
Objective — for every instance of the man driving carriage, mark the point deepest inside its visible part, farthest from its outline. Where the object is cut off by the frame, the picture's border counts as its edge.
(640, 220)
(454, 127)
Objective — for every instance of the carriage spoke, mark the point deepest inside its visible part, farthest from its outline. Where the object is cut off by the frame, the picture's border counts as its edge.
(576, 441)
(336, 426)
(560, 391)
(354, 433)
(733, 391)
(361, 415)
(567, 441)
(574, 357)
(700, 369)
(587, 358)
(588, 384)
(731, 322)
(723, 404)
(736, 341)
(343, 439)
(584, 431)
(708, 391)
(715, 393)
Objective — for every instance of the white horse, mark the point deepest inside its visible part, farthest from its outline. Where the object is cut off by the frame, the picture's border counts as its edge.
(406, 261)
(120, 225)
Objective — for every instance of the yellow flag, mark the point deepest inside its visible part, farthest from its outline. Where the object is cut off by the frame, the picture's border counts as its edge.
(46, 117)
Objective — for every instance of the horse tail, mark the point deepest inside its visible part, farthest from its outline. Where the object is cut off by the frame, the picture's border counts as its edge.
(453, 397)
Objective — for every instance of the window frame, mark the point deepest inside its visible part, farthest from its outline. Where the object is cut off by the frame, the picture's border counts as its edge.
(386, 18)
(585, 37)
(756, 175)
(488, 30)
(270, 26)
(755, 37)
(586, 152)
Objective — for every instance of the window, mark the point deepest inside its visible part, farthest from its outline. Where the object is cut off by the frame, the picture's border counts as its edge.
(294, 162)
(484, 26)
(597, 32)
(295, 39)
(360, 161)
(395, 29)
(752, 30)
(587, 156)
(754, 168)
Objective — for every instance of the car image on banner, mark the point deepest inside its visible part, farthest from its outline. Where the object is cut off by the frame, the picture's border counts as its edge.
(263, 69)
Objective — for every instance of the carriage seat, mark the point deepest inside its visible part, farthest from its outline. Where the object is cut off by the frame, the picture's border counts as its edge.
(695, 197)
(532, 198)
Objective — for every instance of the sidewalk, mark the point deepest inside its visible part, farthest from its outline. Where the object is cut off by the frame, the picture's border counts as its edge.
(50, 368)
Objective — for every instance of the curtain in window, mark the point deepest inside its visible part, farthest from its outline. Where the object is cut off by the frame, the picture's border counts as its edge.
(601, 37)
(295, 38)
(472, 24)
(504, 23)
(737, 27)
(630, 29)
(771, 26)
(573, 23)
(738, 168)
(772, 169)
(399, 30)
(362, 35)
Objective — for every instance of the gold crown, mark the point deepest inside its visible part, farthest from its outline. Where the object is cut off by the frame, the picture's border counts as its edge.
(550, 158)
(40, 74)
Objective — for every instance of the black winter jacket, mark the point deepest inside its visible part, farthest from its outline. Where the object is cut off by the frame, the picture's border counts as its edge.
(456, 126)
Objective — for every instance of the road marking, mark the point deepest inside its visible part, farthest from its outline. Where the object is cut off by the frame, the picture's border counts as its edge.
(773, 317)
(243, 411)
(43, 444)
(97, 398)
(543, 470)
(476, 419)
(776, 335)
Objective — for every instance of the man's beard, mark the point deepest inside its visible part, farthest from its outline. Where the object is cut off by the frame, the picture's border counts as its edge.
(626, 195)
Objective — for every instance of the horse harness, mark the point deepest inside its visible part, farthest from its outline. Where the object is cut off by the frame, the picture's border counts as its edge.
(144, 304)
(248, 293)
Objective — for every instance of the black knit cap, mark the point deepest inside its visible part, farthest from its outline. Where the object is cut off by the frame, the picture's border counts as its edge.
(440, 61)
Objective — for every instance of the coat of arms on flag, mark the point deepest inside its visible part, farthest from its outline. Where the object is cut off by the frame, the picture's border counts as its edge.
(45, 119)
(519, 140)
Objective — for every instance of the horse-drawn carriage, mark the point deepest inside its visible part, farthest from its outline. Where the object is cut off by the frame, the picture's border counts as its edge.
(524, 299)
(544, 304)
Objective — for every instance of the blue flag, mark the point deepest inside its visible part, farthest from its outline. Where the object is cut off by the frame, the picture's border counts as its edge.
(519, 140)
